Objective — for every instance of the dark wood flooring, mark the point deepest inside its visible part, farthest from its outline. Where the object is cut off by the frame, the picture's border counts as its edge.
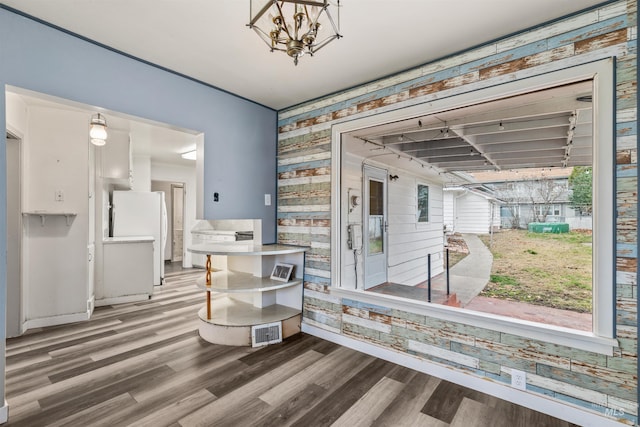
(144, 364)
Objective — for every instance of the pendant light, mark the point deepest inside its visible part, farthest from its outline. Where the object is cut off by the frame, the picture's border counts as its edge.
(98, 130)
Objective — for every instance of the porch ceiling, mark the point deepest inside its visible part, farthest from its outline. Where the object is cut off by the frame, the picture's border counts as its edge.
(543, 129)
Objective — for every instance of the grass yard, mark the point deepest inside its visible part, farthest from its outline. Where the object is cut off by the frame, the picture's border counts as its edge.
(552, 270)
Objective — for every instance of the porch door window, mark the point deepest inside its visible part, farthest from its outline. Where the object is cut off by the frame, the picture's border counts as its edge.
(375, 220)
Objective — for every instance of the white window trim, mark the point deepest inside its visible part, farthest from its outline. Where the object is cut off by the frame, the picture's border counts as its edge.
(602, 339)
(428, 221)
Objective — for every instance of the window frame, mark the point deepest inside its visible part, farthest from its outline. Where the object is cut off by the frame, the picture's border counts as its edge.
(428, 187)
(602, 73)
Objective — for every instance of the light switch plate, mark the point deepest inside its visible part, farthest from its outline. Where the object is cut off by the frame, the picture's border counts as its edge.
(267, 199)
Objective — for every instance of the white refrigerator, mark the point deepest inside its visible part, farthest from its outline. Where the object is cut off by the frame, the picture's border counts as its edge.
(142, 213)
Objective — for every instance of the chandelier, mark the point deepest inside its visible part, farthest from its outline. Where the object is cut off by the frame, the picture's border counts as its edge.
(294, 26)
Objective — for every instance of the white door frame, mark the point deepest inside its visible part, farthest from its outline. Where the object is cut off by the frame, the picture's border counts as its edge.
(15, 293)
(375, 249)
(181, 208)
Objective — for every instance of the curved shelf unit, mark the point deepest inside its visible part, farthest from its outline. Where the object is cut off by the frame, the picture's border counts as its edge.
(244, 306)
(238, 282)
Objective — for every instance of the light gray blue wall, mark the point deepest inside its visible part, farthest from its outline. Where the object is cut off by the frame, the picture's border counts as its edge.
(240, 136)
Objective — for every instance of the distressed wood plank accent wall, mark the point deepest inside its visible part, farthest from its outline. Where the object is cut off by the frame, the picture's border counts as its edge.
(593, 381)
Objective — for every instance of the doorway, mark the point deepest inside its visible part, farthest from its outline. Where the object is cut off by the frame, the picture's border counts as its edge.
(174, 196)
(375, 220)
(177, 222)
(14, 236)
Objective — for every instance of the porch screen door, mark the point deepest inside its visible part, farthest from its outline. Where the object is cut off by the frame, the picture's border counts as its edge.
(375, 226)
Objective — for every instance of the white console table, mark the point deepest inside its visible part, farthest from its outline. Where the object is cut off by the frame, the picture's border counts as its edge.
(242, 302)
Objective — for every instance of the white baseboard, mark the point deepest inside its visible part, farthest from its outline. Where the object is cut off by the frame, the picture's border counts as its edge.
(567, 412)
(4, 413)
(56, 320)
(122, 300)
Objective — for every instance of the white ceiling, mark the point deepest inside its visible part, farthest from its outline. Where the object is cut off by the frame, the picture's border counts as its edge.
(208, 39)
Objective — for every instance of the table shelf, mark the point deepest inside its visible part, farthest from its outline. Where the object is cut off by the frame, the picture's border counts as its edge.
(239, 282)
(244, 298)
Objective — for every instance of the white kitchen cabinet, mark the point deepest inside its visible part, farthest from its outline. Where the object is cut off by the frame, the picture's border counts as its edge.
(117, 161)
(127, 270)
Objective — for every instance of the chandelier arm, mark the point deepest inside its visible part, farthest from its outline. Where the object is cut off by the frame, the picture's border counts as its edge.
(284, 22)
(330, 18)
(266, 39)
(325, 42)
(264, 10)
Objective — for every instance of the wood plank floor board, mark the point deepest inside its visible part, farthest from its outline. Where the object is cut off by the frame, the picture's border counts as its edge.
(120, 357)
(206, 356)
(369, 407)
(264, 366)
(37, 341)
(324, 369)
(291, 409)
(42, 370)
(133, 342)
(471, 414)
(91, 416)
(446, 399)
(225, 365)
(88, 400)
(332, 407)
(406, 409)
(344, 364)
(173, 412)
(234, 402)
(144, 364)
(251, 410)
(16, 359)
(126, 369)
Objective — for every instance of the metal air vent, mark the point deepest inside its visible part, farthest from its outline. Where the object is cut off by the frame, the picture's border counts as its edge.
(269, 333)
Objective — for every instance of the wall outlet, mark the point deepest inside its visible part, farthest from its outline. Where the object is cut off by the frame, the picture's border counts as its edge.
(518, 379)
(267, 199)
(59, 196)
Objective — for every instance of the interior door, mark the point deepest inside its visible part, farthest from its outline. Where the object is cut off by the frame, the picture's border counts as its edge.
(177, 207)
(375, 226)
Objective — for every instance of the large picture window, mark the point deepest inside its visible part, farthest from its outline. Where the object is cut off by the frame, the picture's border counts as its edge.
(543, 124)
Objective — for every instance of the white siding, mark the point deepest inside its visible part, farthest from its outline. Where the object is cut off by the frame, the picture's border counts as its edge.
(472, 214)
(409, 242)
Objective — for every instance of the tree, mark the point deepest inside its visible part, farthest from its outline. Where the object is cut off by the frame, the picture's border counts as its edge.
(543, 194)
(581, 186)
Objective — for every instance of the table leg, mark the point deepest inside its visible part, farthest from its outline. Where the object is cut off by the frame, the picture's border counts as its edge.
(208, 265)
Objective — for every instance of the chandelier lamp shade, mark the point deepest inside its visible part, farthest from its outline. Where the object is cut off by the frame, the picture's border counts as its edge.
(297, 27)
(98, 130)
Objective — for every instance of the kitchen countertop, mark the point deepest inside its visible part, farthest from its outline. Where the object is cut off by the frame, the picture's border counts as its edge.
(127, 239)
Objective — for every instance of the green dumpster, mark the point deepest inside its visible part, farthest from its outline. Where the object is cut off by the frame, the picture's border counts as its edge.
(548, 227)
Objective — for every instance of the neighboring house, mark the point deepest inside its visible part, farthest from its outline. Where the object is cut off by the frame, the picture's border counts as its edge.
(534, 195)
(471, 210)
